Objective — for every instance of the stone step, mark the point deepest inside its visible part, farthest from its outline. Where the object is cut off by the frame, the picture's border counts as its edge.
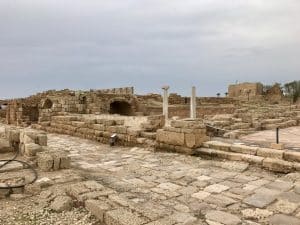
(272, 164)
(271, 121)
(256, 155)
(148, 135)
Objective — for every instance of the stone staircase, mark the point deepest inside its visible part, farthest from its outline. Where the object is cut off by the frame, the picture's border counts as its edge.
(283, 161)
(250, 118)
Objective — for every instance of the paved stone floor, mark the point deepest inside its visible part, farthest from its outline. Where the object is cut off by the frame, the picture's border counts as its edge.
(168, 188)
(289, 136)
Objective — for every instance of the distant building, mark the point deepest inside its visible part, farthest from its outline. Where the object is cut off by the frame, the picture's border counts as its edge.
(245, 90)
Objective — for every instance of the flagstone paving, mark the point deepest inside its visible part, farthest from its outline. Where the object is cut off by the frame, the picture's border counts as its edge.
(168, 188)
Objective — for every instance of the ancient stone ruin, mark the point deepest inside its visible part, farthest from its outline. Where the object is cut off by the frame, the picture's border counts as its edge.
(114, 157)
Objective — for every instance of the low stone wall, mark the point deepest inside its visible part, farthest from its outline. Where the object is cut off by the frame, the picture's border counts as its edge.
(101, 129)
(182, 136)
(32, 145)
(183, 111)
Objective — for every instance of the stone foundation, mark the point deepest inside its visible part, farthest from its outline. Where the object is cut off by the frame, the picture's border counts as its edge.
(182, 136)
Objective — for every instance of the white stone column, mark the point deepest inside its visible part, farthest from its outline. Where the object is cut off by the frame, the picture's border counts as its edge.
(166, 103)
(193, 112)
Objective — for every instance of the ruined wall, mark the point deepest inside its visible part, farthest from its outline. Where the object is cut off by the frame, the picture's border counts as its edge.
(175, 99)
(129, 130)
(183, 111)
(42, 106)
(244, 90)
(274, 94)
(23, 112)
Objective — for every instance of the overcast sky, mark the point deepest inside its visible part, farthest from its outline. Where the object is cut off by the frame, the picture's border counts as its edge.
(94, 44)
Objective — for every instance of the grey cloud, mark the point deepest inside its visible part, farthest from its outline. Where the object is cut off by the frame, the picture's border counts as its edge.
(99, 44)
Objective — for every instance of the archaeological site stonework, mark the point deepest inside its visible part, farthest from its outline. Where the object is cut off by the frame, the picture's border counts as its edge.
(113, 157)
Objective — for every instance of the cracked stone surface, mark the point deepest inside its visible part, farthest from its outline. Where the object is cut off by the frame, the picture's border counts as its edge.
(144, 187)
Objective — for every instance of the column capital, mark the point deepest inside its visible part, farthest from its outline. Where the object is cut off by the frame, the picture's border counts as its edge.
(165, 87)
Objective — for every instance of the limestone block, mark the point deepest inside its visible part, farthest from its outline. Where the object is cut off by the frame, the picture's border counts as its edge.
(133, 132)
(173, 129)
(28, 139)
(99, 127)
(237, 126)
(219, 145)
(190, 140)
(173, 138)
(222, 217)
(45, 161)
(258, 160)
(278, 165)
(78, 124)
(181, 149)
(109, 122)
(244, 149)
(14, 136)
(201, 138)
(121, 129)
(112, 129)
(62, 203)
(31, 149)
(120, 122)
(291, 156)
(279, 146)
(270, 153)
(187, 124)
(65, 162)
(42, 139)
(97, 208)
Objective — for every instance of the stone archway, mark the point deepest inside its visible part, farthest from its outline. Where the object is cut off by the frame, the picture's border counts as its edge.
(47, 104)
(120, 107)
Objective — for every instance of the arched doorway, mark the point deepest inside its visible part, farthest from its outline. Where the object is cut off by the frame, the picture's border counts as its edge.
(47, 104)
(121, 108)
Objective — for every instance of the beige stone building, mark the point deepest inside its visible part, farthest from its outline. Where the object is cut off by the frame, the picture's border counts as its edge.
(245, 90)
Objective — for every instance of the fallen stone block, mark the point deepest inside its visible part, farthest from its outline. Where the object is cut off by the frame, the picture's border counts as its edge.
(45, 161)
(62, 203)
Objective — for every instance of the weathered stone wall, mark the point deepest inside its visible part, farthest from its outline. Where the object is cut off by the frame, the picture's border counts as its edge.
(182, 111)
(175, 99)
(101, 129)
(244, 90)
(274, 94)
(42, 106)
